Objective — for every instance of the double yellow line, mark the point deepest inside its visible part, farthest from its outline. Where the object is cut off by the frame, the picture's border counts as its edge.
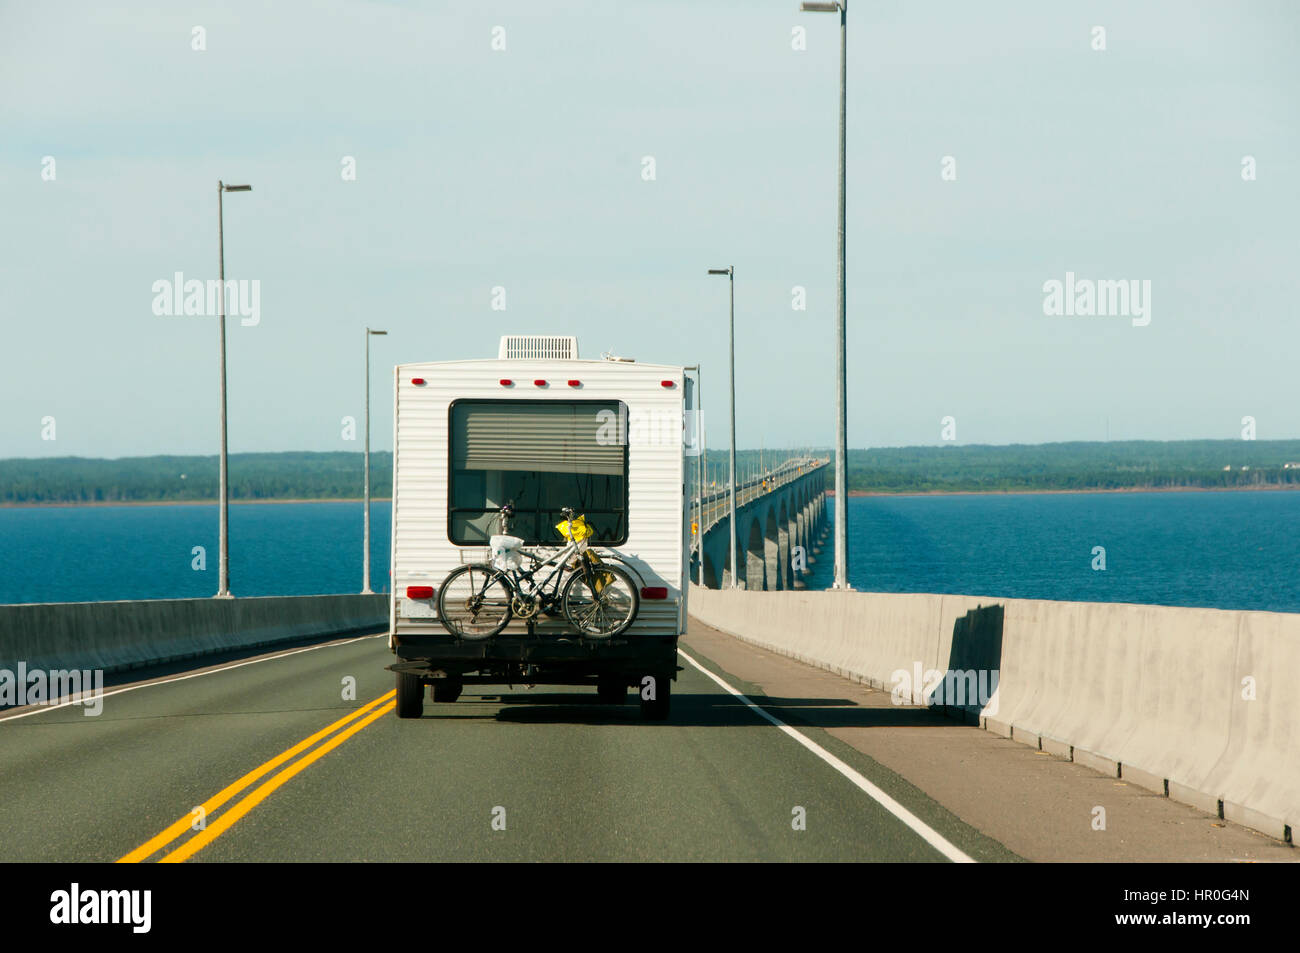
(363, 716)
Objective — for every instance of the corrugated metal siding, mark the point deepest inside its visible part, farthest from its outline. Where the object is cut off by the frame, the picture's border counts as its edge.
(422, 553)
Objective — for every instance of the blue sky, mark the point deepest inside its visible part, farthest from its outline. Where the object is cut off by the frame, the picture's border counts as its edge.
(522, 168)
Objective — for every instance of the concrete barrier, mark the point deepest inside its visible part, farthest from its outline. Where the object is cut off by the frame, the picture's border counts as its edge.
(1194, 704)
(1141, 692)
(1263, 733)
(119, 635)
(865, 636)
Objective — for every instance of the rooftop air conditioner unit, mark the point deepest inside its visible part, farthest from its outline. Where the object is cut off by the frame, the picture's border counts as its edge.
(530, 347)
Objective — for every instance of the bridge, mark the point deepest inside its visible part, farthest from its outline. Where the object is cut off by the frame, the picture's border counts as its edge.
(780, 747)
(827, 726)
(776, 511)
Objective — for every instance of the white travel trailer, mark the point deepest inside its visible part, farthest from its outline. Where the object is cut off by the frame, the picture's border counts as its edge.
(541, 430)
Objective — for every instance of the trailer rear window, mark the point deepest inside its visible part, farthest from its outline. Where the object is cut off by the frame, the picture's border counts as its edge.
(542, 455)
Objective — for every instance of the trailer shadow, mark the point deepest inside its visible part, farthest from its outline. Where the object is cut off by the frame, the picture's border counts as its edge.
(694, 709)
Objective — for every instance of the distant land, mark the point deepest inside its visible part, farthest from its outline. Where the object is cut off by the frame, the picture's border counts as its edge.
(1111, 465)
(1062, 467)
(253, 476)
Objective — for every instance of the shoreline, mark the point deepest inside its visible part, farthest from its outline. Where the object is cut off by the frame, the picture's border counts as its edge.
(331, 499)
(1282, 487)
(830, 492)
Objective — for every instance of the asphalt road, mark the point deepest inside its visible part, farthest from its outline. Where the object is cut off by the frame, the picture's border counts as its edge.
(286, 769)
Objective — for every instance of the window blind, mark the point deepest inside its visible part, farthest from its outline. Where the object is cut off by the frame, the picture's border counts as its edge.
(546, 436)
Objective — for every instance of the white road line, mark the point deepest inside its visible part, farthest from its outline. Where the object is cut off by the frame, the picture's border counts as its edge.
(922, 829)
(181, 678)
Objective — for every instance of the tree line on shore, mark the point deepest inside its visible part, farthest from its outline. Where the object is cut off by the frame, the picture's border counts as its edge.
(253, 476)
(1110, 465)
(953, 468)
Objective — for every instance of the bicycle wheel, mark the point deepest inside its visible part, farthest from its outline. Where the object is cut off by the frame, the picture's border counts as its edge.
(600, 601)
(474, 602)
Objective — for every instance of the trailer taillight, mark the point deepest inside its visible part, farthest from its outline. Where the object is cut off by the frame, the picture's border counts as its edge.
(654, 592)
(540, 383)
(419, 592)
(506, 382)
(667, 384)
(575, 383)
(417, 380)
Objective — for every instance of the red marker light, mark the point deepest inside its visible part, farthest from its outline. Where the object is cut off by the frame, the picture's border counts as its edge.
(506, 382)
(419, 592)
(654, 592)
(417, 380)
(540, 383)
(575, 383)
(667, 384)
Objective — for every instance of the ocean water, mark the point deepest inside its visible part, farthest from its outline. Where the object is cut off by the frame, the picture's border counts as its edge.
(1226, 550)
(1231, 550)
(95, 553)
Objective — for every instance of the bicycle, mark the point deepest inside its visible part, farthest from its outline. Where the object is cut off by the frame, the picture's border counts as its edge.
(477, 601)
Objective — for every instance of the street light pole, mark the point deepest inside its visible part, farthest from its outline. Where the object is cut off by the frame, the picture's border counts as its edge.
(365, 541)
(699, 468)
(223, 571)
(704, 478)
(730, 272)
(841, 414)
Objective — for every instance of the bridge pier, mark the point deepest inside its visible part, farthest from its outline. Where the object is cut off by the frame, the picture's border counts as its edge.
(771, 550)
(785, 572)
(755, 557)
(770, 523)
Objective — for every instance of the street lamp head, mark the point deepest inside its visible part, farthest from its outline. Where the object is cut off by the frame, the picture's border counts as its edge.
(819, 7)
(238, 188)
(375, 332)
(720, 271)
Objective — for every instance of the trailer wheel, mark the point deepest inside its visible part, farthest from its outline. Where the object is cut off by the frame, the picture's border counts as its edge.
(446, 691)
(410, 695)
(657, 708)
(611, 691)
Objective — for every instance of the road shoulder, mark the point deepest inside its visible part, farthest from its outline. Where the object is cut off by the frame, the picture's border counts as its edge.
(1039, 806)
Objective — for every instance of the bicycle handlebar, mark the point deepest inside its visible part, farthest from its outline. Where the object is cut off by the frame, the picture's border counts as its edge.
(507, 510)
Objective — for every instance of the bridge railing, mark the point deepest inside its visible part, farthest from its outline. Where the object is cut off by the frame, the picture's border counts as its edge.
(117, 635)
